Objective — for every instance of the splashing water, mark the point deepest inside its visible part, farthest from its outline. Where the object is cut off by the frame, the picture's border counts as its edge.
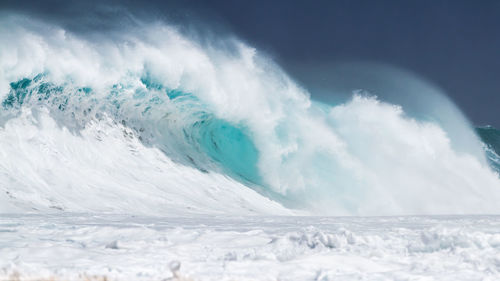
(221, 116)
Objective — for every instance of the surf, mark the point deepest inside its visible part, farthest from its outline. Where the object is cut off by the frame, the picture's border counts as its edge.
(214, 118)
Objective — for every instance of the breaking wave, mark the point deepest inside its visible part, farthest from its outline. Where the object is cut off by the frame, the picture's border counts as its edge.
(222, 116)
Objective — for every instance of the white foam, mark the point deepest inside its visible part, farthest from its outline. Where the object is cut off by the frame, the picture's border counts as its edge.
(105, 169)
(74, 247)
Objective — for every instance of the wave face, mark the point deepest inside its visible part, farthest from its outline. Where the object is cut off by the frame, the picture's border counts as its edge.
(150, 111)
(491, 139)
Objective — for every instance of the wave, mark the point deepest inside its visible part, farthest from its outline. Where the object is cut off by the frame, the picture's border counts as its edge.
(491, 140)
(221, 115)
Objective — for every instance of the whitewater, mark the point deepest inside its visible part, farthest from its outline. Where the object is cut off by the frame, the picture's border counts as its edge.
(127, 149)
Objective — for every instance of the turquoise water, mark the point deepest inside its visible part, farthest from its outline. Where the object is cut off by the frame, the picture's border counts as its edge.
(491, 138)
(176, 121)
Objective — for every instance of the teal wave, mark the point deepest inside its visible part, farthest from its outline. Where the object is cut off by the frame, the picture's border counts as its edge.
(491, 138)
(175, 121)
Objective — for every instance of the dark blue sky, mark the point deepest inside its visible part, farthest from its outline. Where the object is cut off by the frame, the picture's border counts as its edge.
(454, 44)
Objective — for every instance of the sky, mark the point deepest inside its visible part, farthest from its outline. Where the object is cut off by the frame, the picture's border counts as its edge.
(454, 44)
